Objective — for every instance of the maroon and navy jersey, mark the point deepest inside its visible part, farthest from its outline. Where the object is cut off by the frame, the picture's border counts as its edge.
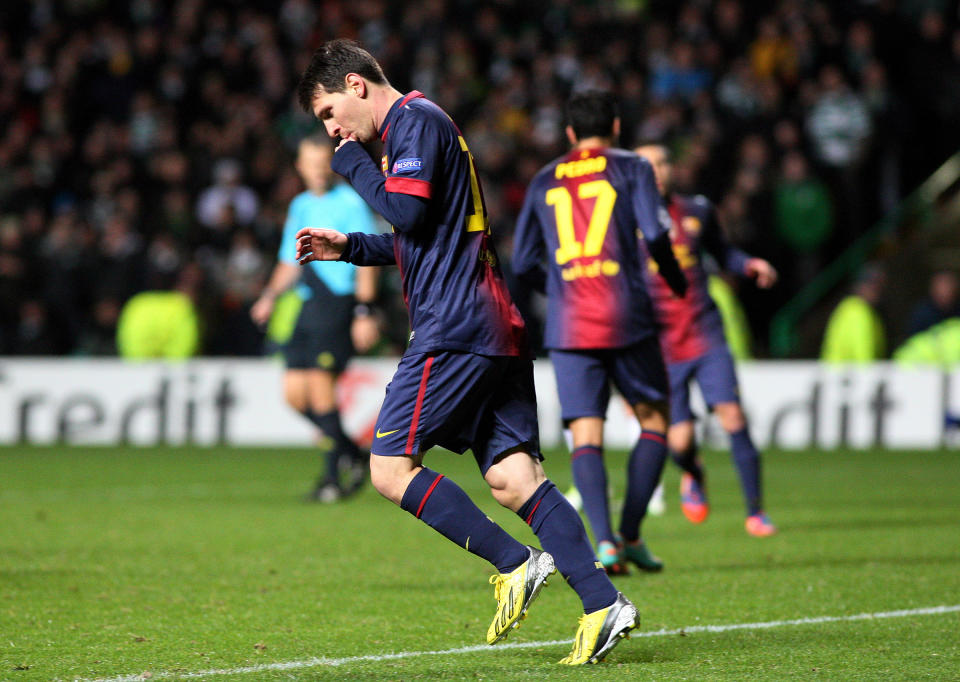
(582, 215)
(692, 325)
(452, 283)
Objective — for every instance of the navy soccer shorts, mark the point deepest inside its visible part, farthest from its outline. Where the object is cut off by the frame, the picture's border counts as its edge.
(459, 401)
(716, 375)
(321, 337)
(584, 376)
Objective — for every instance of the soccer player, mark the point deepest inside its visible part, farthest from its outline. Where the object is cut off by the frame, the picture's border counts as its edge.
(466, 379)
(336, 316)
(695, 348)
(582, 214)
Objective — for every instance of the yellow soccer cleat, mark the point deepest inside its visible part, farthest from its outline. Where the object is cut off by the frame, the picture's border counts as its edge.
(516, 590)
(602, 630)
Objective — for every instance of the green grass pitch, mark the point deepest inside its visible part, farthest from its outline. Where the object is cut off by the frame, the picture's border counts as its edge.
(119, 562)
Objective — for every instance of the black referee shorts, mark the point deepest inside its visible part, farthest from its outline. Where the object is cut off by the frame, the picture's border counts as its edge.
(321, 337)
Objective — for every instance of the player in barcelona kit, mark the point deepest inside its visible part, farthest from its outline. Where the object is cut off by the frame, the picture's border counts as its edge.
(582, 214)
(695, 348)
(335, 318)
(466, 379)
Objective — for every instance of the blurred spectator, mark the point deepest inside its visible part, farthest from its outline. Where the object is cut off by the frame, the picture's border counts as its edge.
(34, 333)
(115, 116)
(771, 54)
(679, 76)
(838, 121)
(14, 272)
(99, 337)
(855, 332)
(839, 126)
(162, 324)
(938, 345)
(227, 200)
(942, 301)
(242, 274)
(803, 216)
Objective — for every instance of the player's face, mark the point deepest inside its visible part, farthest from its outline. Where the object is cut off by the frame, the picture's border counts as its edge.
(345, 114)
(662, 168)
(313, 165)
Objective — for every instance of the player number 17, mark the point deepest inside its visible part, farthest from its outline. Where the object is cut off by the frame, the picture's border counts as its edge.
(562, 202)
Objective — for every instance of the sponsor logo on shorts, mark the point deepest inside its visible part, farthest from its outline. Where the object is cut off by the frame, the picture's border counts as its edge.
(382, 434)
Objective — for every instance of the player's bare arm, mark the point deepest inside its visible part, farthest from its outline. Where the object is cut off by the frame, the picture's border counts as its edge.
(764, 274)
(283, 277)
(365, 330)
(319, 243)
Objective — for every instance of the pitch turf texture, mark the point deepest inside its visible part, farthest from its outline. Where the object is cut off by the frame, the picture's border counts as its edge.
(116, 563)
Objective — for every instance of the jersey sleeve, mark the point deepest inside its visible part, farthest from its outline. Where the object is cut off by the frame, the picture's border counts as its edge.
(651, 215)
(287, 253)
(727, 256)
(416, 147)
(369, 249)
(528, 245)
(654, 222)
(405, 212)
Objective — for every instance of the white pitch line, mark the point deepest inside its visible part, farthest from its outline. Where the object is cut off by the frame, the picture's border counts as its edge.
(693, 629)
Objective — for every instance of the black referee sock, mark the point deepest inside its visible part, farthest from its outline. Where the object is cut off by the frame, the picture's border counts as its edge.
(329, 423)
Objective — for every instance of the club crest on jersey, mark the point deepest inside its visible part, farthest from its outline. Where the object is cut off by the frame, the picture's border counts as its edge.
(384, 165)
(407, 165)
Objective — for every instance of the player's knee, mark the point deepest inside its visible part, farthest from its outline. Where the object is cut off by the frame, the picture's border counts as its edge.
(507, 497)
(653, 416)
(514, 479)
(387, 479)
(730, 416)
(297, 401)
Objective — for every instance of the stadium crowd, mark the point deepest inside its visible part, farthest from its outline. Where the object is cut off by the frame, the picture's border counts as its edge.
(147, 145)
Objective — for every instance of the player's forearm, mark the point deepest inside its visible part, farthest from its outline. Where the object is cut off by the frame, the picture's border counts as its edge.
(284, 276)
(403, 211)
(662, 253)
(735, 260)
(729, 257)
(369, 249)
(366, 289)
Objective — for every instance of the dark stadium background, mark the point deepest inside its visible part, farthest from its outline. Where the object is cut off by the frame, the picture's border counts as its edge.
(116, 117)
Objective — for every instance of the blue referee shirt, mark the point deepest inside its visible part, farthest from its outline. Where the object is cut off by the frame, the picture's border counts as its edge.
(339, 208)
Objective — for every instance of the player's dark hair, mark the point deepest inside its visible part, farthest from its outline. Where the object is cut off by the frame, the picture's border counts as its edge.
(591, 114)
(657, 143)
(330, 65)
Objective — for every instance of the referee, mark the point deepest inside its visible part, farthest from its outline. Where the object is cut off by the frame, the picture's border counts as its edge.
(336, 317)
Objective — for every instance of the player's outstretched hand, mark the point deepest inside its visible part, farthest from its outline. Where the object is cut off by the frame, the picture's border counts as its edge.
(761, 271)
(319, 243)
(262, 309)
